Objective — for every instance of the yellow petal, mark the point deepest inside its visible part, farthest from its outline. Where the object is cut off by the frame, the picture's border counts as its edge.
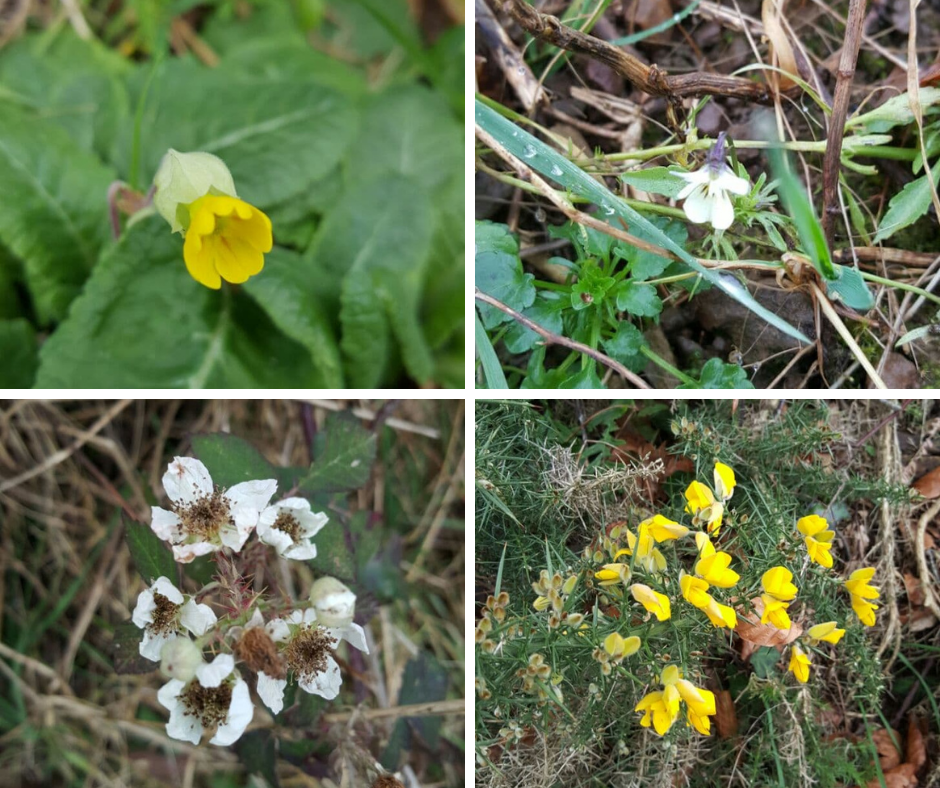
(714, 569)
(698, 497)
(721, 615)
(704, 544)
(630, 646)
(819, 552)
(694, 590)
(653, 601)
(799, 664)
(613, 644)
(776, 582)
(826, 632)
(200, 262)
(811, 525)
(775, 612)
(670, 675)
(662, 528)
(724, 481)
(864, 610)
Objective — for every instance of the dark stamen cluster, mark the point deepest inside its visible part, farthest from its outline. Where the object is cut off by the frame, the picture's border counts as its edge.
(206, 515)
(164, 616)
(308, 651)
(256, 649)
(289, 524)
(209, 704)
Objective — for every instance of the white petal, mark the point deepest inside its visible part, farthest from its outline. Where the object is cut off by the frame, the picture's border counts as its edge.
(239, 715)
(184, 553)
(295, 617)
(722, 211)
(163, 586)
(253, 496)
(278, 629)
(309, 616)
(278, 539)
(730, 182)
(213, 674)
(301, 552)
(234, 537)
(325, 684)
(151, 645)
(266, 519)
(169, 693)
(197, 618)
(256, 620)
(699, 176)
(698, 206)
(186, 479)
(143, 613)
(165, 524)
(312, 523)
(184, 726)
(271, 691)
(353, 634)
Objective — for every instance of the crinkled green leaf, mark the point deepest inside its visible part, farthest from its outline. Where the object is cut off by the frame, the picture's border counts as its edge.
(344, 452)
(895, 111)
(53, 208)
(638, 299)
(716, 374)
(626, 346)
(232, 460)
(907, 206)
(547, 312)
(149, 325)
(656, 180)
(498, 272)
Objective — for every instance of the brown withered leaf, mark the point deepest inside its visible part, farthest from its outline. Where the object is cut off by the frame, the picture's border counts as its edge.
(754, 634)
(888, 753)
(901, 776)
(726, 719)
(915, 751)
(928, 485)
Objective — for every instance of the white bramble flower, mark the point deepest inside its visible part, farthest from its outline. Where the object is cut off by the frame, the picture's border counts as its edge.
(706, 190)
(163, 613)
(308, 651)
(334, 602)
(216, 697)
(255, 647)
(289, 525)
(204, 518)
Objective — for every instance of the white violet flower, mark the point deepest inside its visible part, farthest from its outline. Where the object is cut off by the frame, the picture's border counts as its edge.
(163, 613)
(289, 525)
(706, 190)
(216, 697)
(204, 518)
(308, 650)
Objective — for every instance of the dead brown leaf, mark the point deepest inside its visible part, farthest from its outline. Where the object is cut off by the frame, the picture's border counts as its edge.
(915, 752)
(754, 634)
(725, 717)
(928, 485)
(888, 753)
(771, 13)
(915, 592)
(901, 776)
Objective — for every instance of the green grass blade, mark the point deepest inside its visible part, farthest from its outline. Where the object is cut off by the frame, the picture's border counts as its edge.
(551, 164)
(492, 371)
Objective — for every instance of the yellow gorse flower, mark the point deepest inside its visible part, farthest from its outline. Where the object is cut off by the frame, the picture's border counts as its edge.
(661, 708)
(226, 238)
(619, 647)
(612, 574)
(857, 585)
(653, 601)
(799, 664)
(707, 506)
(827, 633)
(776, 583)
(817, 538)
(712, 565)
(694, 590)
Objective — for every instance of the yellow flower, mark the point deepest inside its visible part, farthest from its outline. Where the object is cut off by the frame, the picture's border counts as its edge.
(826, 632)
(695, 590)
(861, 592)
(799, 664)
(612, 574)
(662, 528)
(704, 544)
(776, 583)
(227, 239)
(648, 557)
(724, 481)
(714, 569)
(721, 615)
(818, 540)
(655, 713)
(619, 647)
(662, 708)
(653, 601)
(541, 603)
(775, 612)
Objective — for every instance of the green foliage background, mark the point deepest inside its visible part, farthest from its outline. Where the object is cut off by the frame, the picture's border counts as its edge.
(357, 160)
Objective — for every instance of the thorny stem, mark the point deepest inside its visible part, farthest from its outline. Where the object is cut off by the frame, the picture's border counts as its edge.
(840, 108)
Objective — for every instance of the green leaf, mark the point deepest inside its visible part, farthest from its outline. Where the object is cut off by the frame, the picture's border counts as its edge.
(548, 162)
(546, 312)
(344, 452)
(492, 371)
(763, 661)
(53, 212)
(125, 651)
(656, 180)
(257, 751)
(716, 374)
(143, 321)
(850, 288)
(232, 460)
(19, 353)
(499, 273)
(591, 287)
(638, 299)
(376, 243)
(895, 111)
(424, 681)
(907, 206)
(152, 556)
(288, 293)
(647, 265)
(626, 346)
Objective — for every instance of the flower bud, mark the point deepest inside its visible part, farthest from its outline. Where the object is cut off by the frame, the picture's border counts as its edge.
(183, 178)
(179, 659)
(334, 602)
